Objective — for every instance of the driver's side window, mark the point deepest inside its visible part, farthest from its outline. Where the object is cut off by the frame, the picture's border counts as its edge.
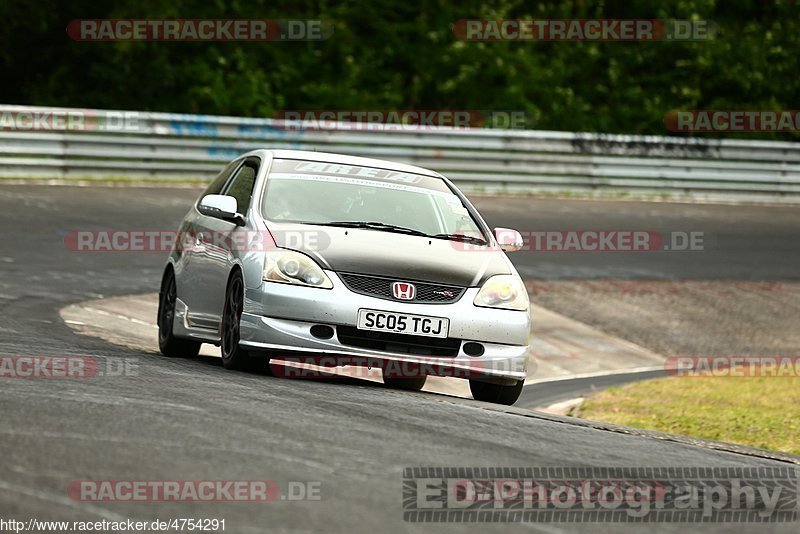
(241, 185)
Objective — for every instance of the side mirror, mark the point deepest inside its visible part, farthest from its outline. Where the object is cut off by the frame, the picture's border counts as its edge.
(221, 207)
(508, 239)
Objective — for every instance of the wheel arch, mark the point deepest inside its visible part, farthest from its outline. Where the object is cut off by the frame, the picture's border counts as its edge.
(167, 268)
(236, 267)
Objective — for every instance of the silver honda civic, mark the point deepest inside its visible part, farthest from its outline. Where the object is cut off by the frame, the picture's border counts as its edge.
(328, 259)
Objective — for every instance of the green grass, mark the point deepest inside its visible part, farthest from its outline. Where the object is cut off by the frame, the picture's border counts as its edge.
(761, 412)
(115, 180)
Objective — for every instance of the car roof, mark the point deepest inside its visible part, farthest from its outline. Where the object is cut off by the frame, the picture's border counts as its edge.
(344, 159)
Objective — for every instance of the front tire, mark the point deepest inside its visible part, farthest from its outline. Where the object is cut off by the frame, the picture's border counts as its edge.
(406, 383)
(496, 393)
(168, 344)
(233, 355)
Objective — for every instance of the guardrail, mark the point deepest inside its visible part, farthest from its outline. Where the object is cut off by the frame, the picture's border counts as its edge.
(168, 146)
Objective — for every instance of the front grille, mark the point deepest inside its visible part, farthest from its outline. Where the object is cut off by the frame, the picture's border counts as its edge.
(380, 287)
(401, 343)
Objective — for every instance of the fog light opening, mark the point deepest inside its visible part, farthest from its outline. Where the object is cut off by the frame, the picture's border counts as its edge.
(474, 349)
(322, 331)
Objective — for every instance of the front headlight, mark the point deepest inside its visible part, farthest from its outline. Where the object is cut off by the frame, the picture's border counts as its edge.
(504, 291)
(290, 267)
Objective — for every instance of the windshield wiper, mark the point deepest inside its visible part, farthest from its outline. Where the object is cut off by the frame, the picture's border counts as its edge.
(376, 225)
(386, 227)
(461, 237)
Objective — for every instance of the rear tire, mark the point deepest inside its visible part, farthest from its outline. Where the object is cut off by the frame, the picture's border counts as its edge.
(496, 393)
(233, 355)
(168, 344)
(411, 383)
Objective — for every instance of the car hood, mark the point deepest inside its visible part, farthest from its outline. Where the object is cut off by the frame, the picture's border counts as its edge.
(391, 254)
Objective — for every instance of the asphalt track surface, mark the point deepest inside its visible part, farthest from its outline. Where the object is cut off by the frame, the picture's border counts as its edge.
(739, 242)
(189, 419)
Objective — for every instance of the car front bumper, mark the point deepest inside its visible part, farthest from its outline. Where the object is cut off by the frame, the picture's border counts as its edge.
(278, 318)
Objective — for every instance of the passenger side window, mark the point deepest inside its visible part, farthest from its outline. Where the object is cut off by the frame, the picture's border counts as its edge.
(219, 181)
(241, 186)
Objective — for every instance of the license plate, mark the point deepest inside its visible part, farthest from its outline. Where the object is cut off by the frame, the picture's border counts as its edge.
(403, 323)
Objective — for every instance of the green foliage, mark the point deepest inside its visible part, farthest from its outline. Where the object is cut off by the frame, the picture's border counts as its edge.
(394, 54)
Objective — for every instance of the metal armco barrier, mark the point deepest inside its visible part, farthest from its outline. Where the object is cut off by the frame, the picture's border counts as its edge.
(168, 146)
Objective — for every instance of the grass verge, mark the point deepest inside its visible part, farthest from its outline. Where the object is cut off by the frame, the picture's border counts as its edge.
(761, 412)
(108, 181)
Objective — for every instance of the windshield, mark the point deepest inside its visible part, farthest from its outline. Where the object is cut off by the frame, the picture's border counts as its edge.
(333, 194)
